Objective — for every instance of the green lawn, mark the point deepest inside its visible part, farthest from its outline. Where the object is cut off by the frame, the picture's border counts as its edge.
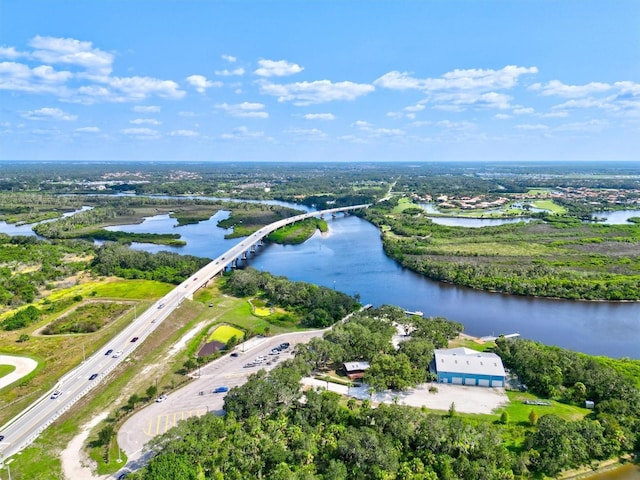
(6, 369)
(224, 333)
(519, 411)
(549, 205)
(403, 204)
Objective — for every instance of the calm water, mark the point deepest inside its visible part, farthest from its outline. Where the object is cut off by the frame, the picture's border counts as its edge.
(350, 258)
(618, 217)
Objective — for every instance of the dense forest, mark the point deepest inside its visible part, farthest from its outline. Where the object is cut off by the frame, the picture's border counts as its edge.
(275, 430)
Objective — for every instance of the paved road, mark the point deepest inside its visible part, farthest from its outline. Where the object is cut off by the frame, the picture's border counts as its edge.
(23, 429)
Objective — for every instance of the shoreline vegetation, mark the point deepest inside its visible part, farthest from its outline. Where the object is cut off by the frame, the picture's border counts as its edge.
(298, 232)
(554, 257)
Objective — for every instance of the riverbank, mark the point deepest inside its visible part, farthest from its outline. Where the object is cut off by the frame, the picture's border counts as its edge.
(623, 468)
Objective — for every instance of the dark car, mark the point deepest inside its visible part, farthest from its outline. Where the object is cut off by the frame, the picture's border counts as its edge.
(93, 376)
(1, 437)
(235, 354)
(220, 389)
(134, 339)
(109, 352)
(284, 346)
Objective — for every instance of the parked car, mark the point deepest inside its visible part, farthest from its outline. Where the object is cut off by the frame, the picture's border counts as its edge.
(56, 394)
(109, 352)
(284, 346)
(235, 354)
(221, 389)
(161, 398)
(93, 376)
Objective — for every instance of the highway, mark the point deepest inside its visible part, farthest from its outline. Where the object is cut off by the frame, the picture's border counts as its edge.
(23, 429)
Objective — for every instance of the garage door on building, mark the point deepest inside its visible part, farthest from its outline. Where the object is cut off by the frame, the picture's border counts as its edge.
(497, 383)
(456, 380)
(469, 381)
(483, 383)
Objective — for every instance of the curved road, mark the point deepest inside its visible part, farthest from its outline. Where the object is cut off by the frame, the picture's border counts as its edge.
(23, 429)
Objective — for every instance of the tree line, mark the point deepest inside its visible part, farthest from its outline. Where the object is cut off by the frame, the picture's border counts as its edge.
(319, 306)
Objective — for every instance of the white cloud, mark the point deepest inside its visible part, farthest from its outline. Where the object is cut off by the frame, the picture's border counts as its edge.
(142, 133)
(309, 133)
(502, 116)
(145, 121)
(414, 108)
(460, 101)
(229, 73)
(523, 110)
(320, 91)
(244, 110)
(139, 88)
(42, 79)
(10, 52)
(469, 79)
(49, 114)
(87, 130)
(593, 125)
(146, 109)
(200, 83)
(352, 139)
(558, 114)
(72, 52)
(277, 68)
(184, 133)
(229, 58)
(532, 127)
(319, 116)
(556, 87)
(371, 131)
(243, 133)
(187, 114)
(456, 125)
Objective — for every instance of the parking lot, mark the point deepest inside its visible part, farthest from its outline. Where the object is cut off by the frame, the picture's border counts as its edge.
(205, 394)
(466, 399)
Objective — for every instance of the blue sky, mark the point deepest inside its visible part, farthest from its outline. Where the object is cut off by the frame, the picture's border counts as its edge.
(320, 80)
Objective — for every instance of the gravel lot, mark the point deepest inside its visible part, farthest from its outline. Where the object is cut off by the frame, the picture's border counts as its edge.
(466, 399)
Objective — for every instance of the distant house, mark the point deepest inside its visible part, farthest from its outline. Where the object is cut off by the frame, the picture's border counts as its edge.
(355, 370)
(463, 366)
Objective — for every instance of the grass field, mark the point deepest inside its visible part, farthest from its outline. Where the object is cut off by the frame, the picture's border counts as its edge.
(403, 204)
(60, 353)
(262, 311)
(6, 369)
(519, 411)
(224, 333)
(549, 205)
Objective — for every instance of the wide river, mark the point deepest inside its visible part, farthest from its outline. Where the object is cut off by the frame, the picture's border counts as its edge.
(350, 258)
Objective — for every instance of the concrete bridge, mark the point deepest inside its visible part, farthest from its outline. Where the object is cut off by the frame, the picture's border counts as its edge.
(241, 251)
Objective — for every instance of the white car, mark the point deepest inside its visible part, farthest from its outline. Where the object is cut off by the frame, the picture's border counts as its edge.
(56, 394)
(161, 398)
(117, 354)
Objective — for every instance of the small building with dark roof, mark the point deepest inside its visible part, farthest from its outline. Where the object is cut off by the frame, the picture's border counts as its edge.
(210, 348)
(463, 366)
(355, 370)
